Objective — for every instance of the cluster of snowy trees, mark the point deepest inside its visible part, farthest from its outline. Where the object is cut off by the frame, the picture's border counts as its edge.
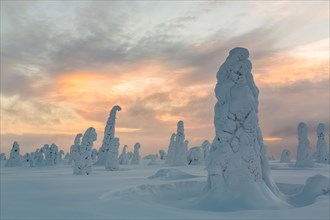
(305, 157)
(45, 156)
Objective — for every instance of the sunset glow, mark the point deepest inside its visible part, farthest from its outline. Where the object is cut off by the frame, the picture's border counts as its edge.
(62, 71)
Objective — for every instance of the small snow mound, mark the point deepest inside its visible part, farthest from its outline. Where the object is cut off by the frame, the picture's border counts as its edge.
(315, 186)
(171, 174)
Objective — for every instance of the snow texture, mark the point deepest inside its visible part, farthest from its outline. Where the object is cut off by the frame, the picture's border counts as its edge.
(322, 151)
(123, 158)
(304, 150)
(195, 156)
(109, 135)
(285, 156)
(112, 162)
(171, 174)
(136, 155)
(14, 157)
(83, 161)
(171, 150)
(238, 154)
(94, 154)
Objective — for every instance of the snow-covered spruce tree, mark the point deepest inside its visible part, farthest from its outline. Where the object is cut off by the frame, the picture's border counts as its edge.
(195, 156)
(53, 155)
(26, 159)
(181, 148)
(123, 158)
(112, 162)
(322, 151)
(304, 150)
(109, 134)
(285, 156)
(74, 149)
(83, 163)
(136, 155)
(3, 157)
(32, 159)
(39, 157)
(206, 148)
(171, 150)
(238, 169)
(46, 152)
(60, 155)
(94, 154)
(162, 154)
(14, 157)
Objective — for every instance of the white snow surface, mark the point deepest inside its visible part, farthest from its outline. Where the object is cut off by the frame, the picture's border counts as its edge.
(54, 193)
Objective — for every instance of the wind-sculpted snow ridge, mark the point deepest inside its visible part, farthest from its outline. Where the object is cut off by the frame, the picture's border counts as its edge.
(83, 157)
(136, 156)
(109, 135)
(171, 174)
(112, 162)
(195, 156)
(304, 150)
(322, 151)
(238, 169)
(14, 157)
(285, 156)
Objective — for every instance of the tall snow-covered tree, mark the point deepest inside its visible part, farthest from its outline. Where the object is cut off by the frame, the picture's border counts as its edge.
(322, 151)
(136, 155)
(14, 157)
(304, 150)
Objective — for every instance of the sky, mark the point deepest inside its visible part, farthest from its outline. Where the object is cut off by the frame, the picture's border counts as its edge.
(65, 64)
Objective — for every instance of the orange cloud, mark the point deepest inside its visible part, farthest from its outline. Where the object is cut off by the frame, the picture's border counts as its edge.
(272, 139)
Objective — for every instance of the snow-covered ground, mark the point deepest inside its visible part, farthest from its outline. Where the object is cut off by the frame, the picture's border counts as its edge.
(138, 191)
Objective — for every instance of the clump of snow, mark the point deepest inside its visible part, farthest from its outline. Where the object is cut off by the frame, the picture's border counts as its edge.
(195, 156)
(171, 174)
(304, 150)
(285, 156)
(14, 157)
(238, 154)
(136, 156)
(123, 158)
(83, 157)
(112, 162)
(109, 135)
(322, 154)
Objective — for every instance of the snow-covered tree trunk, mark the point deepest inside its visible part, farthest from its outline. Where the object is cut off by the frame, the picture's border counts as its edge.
(123, 158)
(285, 156)
(322, 151)
(238, 169)
(136, 154)
(181, 148)
(83, 162)
(171, 150)
(112, 162)
(304, 150)
(14, 157)
(109, 135)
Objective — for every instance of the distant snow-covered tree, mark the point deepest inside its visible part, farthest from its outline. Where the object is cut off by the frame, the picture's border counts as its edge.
(322, 151)
(285, 156)
(304, 150)
(112, 162)
(181, 147)
(14, 157)
(2, 157)
(195, 156)
(83, 161)
(171, 150)
(109, 135)
(124, 158)
(162, 154)
(136, 156)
